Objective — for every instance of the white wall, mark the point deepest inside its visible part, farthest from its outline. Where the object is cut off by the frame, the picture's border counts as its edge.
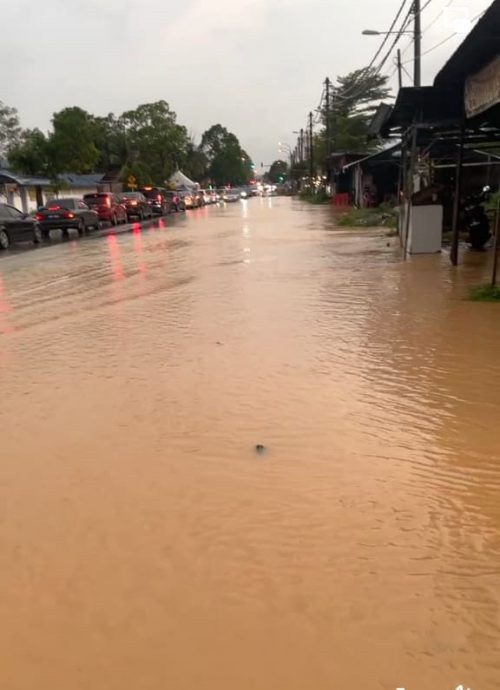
(78, 193)
(25, 197)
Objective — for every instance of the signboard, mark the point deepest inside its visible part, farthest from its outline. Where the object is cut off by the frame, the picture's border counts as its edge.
(482, 90)
(132, 182)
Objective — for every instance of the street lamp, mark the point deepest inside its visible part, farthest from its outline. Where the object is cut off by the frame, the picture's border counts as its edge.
(417, 40)
(372, 32)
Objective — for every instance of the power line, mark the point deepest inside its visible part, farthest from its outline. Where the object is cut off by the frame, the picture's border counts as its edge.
(431, 24)
(445, 40)
(437, 17)
(403, 28)
(406, 72)
(365, 71)
(357, 89)
(391, 29)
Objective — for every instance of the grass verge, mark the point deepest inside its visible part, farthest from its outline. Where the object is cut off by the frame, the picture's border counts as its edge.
(368, 218)
(485, 293)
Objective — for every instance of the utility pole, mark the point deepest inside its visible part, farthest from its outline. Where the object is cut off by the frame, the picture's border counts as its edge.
(417, 80)
(311, 146)
(301, 145)
(400, 70)
(328, 130)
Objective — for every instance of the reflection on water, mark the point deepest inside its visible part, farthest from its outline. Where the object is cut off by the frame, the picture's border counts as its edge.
(145, 545)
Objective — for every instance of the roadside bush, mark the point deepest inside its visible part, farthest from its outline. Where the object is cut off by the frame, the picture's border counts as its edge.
(319, 197)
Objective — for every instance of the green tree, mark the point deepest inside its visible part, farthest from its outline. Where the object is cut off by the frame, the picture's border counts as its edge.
(72, 147)
(137, 170)
(155, 140)
(31, 155)
(278, 172)
(10, 129)
(196, 165)
(227, 162)
(110, 139)
(355, 99)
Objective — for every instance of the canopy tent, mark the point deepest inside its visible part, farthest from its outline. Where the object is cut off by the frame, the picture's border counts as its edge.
(181, 181)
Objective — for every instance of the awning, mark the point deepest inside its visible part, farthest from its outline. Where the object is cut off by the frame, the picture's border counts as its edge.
(384, 156)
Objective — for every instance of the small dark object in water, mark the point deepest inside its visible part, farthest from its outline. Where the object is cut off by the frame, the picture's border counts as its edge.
(260, 449)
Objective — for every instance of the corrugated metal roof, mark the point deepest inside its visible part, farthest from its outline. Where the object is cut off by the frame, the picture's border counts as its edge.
(386, 156)
(9, 177)
(81, 181)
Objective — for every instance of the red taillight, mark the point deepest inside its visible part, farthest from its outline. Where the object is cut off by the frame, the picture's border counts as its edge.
(108, 202)
(53, 208)
(39, 216)
(68, 215)
(133, 203)
(159, 197)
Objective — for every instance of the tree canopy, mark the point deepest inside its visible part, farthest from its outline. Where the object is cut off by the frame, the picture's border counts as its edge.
(72, 146)
(355, 99)
(147, 143)
(227, 162)
(278, 172)
(10, 129)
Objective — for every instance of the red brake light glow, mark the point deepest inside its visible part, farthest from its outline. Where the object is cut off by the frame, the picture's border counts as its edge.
(53, 208)
(158, 196)
(68, 215)
(39, 216)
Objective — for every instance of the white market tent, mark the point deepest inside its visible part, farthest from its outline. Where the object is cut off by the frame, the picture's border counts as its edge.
(181, 181)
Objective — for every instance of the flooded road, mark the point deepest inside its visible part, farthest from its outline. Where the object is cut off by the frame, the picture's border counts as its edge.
(144, 545)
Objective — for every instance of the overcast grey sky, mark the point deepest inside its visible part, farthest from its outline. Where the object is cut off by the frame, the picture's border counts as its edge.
(255, 66)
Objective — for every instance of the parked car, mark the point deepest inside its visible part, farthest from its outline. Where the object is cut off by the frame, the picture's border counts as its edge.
(16, 226)
(136, 205)
(231, 195)
(63, 214)
(190, 200)
(176, 201)
(193, 199)
(209, 196)
(157, 199)
(108, 206)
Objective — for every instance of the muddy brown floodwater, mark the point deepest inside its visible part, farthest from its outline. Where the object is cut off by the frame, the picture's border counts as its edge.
(145, 545)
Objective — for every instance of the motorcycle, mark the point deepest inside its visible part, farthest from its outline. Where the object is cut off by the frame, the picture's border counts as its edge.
(476, 221)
